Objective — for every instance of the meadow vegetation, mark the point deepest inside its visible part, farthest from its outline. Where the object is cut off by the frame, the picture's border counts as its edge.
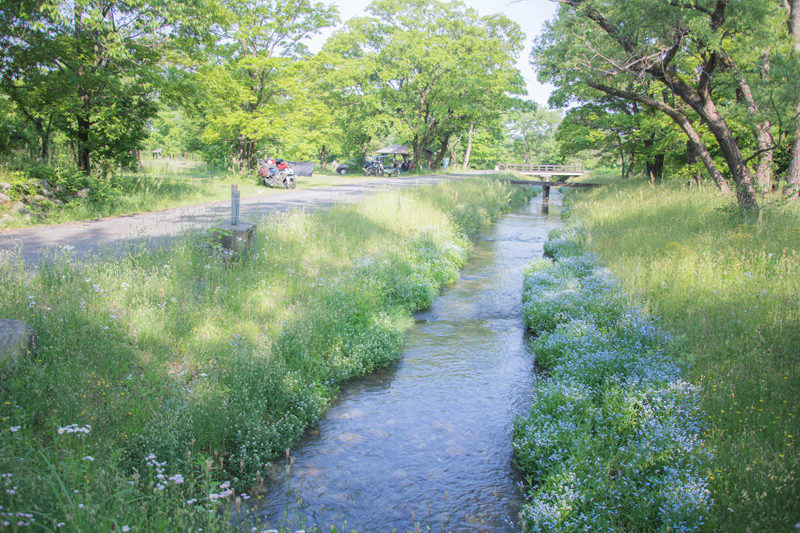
(725, 283)
(167, 383)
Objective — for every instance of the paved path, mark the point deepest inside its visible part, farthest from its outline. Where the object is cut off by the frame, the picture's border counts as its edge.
(91, 238)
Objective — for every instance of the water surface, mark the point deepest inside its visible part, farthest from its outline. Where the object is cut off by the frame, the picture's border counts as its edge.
(425, 443)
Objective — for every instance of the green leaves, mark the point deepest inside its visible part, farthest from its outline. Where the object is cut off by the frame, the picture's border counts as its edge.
(429, 68)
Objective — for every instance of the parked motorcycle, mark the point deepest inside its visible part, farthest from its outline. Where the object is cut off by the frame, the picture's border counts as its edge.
(373, 168)
(278, 178)
(342, 169)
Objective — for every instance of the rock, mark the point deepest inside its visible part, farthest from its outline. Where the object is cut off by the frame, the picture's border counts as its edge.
(5, 186)
(83, 193)
(17, 340)
(44, 185)
(38, 199)
(4, 198)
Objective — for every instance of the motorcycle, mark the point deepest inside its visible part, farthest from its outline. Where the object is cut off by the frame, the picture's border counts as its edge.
(272, 177)
(373, 168)
(342, 169)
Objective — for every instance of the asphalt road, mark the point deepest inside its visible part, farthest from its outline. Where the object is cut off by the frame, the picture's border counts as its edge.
(93, 238)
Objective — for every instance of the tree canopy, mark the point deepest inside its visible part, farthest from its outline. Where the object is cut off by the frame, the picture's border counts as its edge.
(426, 70)
(710, 66)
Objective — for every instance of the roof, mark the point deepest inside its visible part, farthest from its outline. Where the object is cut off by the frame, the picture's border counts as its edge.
(393, 149)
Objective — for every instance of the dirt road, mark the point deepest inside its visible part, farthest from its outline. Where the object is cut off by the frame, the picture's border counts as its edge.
(109, 235)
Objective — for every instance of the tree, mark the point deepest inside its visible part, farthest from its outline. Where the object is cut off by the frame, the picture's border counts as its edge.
(793, 174)
(428, 68)
(248, 88)
(634, 50)
(90, 69)
(532, 131)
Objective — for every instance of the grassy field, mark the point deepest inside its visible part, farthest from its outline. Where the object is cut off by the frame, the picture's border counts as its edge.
(167, 385)
(728, 283)
(163, 184)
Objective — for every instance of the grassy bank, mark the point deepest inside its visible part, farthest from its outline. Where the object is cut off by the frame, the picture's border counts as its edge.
(168, 382)
(160, 184)
(726, 282)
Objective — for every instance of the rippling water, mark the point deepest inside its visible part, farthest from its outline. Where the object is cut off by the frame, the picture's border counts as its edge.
(425, 443)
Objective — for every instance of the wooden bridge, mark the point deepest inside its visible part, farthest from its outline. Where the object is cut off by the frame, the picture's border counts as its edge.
(544, 171)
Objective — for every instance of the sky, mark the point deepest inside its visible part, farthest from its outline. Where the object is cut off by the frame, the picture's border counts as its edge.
(529, 14)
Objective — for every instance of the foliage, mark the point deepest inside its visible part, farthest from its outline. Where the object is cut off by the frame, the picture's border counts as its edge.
(667, 57)
(89, 70)
(169, 379)
(248, 95)
(727, 283)
(613, 438)
(532, 133)
(425, 70)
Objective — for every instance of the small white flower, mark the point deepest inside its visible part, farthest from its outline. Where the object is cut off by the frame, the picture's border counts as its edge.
(88, 458)
(125, 528)
(14, 429)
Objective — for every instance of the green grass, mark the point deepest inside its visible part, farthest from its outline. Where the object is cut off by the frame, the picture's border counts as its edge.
(164, 184)
(728, 282)
(186, 361)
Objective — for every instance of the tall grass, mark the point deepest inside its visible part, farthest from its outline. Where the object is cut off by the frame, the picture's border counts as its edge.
(726, 281)
(167, 383)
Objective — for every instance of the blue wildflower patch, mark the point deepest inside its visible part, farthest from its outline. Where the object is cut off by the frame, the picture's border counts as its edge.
(612, 441)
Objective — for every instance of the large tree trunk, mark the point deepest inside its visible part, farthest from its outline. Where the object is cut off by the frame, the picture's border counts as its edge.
(793, 175)
(705, 107)
(761, 131)
(465, 165)
(442, 152)
(680, 118)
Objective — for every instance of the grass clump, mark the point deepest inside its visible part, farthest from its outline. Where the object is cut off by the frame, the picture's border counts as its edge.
(727, 283)
(612, 442)
(168, 382)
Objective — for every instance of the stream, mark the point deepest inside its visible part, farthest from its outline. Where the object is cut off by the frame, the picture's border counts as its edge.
(425, 444)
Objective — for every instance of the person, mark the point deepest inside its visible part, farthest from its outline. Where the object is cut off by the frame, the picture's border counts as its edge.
(282, 165)
(404, 167)
(411, 165)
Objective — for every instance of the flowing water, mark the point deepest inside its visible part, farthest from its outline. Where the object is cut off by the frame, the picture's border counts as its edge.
(426, 443)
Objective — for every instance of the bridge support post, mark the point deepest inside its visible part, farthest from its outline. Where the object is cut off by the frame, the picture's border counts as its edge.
(545, 199)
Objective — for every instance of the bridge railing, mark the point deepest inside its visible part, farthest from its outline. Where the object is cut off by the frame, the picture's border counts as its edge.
(573, 169)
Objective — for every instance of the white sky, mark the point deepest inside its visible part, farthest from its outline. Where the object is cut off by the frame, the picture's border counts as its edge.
(529, 14)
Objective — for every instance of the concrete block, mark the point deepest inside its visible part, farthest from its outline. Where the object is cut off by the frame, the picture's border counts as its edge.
(239, 239)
